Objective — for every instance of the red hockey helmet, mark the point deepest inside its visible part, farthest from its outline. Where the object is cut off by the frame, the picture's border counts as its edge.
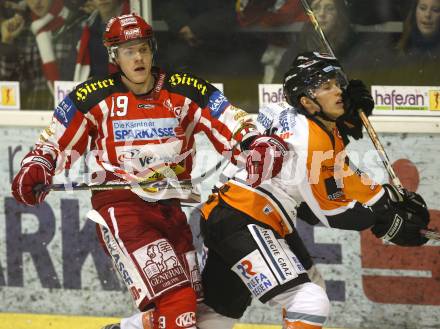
(127, 28)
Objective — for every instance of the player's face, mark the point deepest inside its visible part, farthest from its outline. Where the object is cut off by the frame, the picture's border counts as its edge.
(428, 17)
(326, 13)
(39, 7)
(329, 96)
(135, 59)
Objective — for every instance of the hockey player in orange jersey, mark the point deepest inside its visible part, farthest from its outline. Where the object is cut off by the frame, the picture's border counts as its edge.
(248, 225)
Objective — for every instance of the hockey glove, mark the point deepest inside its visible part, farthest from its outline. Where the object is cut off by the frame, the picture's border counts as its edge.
(410, 201)
(265, 158)
(306, 214)
(401, 217)
(356, 96)
(35, 170)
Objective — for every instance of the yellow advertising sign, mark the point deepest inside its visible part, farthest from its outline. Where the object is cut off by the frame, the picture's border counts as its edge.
(9, 95)
(434, 100)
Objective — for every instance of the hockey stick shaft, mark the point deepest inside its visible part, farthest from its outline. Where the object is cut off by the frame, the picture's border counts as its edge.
(161, 184)
(429, 234)
(318, 29)
(378, 145)
(128, 185)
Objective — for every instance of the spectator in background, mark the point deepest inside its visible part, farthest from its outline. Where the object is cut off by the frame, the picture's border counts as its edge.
(418, 49)
(421, 31)
(203, 38)
(200, 33)
(269, 14)
(37, 48)
(91, 38)
(333, 18)
(20, 60)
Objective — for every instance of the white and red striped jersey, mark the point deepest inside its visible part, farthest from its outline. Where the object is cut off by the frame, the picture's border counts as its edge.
(132, 134)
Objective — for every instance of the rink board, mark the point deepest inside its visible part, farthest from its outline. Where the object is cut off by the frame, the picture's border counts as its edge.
(44, 321)
(50, 261)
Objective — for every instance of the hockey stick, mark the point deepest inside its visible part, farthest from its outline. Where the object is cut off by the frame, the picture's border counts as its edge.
(160, 185)
(429, 234)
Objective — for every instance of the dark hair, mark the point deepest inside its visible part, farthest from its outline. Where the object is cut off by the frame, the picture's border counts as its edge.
(337, 37)
(343, 15)
(409, 29)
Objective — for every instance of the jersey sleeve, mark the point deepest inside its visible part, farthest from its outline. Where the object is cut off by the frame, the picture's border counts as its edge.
(66, 138)
(211, 112)
(266, 118)
(344, 203)
(224, 124)
(338, 194)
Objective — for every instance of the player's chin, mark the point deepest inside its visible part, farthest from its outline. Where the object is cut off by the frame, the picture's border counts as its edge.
(338, 112)
(139, 76)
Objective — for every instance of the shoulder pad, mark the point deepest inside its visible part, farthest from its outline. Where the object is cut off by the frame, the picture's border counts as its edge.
(188, 85)
(265, 118)
(277, 115)
(91, 92)
(287, 119)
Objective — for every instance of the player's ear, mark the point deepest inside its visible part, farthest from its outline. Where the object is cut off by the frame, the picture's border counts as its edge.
(307, 104)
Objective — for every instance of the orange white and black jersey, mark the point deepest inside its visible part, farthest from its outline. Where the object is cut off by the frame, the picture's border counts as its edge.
(315, 171)
(131, 133)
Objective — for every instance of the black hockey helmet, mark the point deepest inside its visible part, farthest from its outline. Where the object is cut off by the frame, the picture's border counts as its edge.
(308, 72)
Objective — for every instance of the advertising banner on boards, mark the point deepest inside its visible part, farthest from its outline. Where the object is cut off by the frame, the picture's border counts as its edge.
(51, 261)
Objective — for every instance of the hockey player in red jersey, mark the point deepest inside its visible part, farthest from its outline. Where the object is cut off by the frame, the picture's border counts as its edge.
(141, 123)
(248, 225)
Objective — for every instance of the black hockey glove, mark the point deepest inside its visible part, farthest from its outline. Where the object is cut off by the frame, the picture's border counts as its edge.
(306, 214)
(410, 201)
(400, 217)
(356, 96)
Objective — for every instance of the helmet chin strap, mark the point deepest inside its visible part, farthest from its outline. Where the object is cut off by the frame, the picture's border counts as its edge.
(321, 112)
